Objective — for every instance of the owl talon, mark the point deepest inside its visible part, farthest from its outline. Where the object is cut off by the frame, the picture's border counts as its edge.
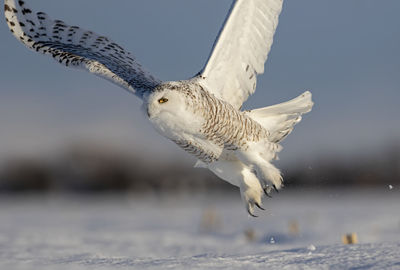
(250, 208)
(250, 213)
(259, 206)
(267, 191)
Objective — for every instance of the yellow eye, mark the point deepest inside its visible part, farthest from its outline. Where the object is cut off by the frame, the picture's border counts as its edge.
(162, 100)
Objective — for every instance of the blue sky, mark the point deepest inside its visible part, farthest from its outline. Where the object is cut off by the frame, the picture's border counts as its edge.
(346, 52)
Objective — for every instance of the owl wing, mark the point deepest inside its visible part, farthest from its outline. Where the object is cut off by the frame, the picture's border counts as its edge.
(75, 47)
(241, 50)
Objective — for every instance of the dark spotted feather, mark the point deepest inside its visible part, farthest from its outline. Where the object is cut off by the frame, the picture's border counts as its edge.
(75, 47)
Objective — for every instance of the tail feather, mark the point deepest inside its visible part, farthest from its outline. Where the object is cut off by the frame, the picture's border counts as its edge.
(280, 119)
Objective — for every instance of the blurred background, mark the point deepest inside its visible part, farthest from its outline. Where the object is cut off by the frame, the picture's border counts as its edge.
(67, 131)
(85, 179)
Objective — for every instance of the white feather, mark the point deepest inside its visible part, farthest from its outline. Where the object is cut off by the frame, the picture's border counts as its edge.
(280, 119)
(241, 50)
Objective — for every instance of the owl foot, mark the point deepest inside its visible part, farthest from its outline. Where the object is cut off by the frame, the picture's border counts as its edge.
(259, 162)
(259, 206)
(250, 211)
(250, 208)
(270, 178)
(252, 192)
(268, 190)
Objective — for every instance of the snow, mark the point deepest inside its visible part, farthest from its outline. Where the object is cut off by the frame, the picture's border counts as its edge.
(299, 230)
(311, 247)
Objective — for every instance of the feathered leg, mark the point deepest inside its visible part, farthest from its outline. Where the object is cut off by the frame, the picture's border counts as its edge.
(258, 156)
(238, 174)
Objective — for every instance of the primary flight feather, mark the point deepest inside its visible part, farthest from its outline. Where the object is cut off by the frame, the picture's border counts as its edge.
(202, 115)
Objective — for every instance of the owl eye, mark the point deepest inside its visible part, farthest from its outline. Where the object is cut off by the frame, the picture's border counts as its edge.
(162, 100)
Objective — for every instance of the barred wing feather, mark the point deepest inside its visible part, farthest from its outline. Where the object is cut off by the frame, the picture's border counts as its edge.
(75, 47)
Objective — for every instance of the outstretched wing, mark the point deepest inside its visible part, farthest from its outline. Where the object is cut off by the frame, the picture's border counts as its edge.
(241, 50)
(75, 47)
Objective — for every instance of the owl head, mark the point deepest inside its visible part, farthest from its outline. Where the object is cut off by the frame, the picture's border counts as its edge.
(170, 107)
(166, 99)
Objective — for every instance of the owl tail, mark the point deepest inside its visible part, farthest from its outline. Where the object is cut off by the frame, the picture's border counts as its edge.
(280, 119)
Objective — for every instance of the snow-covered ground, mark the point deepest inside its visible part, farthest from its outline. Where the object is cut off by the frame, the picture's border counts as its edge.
(299, 230)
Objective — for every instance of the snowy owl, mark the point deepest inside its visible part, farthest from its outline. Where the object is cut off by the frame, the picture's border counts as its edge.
(202, 115)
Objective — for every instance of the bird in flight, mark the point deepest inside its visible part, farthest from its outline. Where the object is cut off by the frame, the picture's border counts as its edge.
(203, 114)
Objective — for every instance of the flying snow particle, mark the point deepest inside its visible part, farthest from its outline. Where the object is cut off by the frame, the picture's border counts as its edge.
(311, 248)
(272, 240)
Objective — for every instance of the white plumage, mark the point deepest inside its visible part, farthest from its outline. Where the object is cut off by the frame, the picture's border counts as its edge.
(241, 50)
(201, 115)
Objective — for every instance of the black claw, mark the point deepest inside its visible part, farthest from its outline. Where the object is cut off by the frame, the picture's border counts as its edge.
(266, 193)
(251, 214)
(276, 189)
(259, 206)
